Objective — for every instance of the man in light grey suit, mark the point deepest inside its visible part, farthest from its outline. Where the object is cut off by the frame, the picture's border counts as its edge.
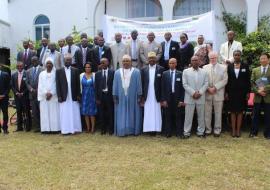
(218, 78)
(133, 49)
(195, 83)
(150, 46)
(118, 51)
(58, 61)
(32, 75)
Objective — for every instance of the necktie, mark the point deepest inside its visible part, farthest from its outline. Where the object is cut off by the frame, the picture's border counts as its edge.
(84, 56)
(69, 49)
(100, 53)
(104, 81)
(172, 81)
(212, 76)
(25, 56)
(34, 74)
(264, 71)
(60, 50)
(19, 80)
(42, 54)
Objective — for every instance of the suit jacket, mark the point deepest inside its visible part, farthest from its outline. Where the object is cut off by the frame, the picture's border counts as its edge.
(96, 61)
(146, 48)
(4, 84)
(173, 52)
(166, 86)
(238, 86)
(118, 51)
(226, 53)
(32, 83)
(58, 59)
(89, 54)
(157, 83)
(27, 64)
(191, 85)
(62, 85)
(184, 56)
(76, 57)
(39, 51)
(220, 79)
(98, 83)
(14, 85)
(137, 63)
(256, 74)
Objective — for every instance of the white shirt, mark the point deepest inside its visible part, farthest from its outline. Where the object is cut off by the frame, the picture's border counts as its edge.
(167, 50)
(172, 72)
(236, 71)
(134, 54)
(265, 69)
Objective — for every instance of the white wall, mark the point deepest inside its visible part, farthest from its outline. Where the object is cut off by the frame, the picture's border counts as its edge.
(264, 8)
(4, 25)
(4, 10)
(63, 16)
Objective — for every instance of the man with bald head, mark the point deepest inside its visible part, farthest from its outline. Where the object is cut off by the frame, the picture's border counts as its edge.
(127, 92)
(150, 46)
(195, 82)
(172, 98)
(218, 78)
(227, 48)
(169, 50)
(118, 51)
(151, 85)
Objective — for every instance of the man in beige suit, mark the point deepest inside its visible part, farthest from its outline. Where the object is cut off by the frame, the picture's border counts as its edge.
(150, 46)
(227, 48)
(133, 49)
(58, 61)
(118, 51)
(218, 78)
(195, 83)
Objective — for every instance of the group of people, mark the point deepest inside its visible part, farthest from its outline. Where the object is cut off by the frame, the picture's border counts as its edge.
(136, 87)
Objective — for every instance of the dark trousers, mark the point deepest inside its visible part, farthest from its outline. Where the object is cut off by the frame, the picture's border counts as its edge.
(4, 108)
(106, 113)
(35, 113)
(256, 115)
(173, 117)
(23, 113)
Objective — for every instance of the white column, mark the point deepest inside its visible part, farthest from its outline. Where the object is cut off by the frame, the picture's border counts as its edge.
(252, 15)
(167, 9)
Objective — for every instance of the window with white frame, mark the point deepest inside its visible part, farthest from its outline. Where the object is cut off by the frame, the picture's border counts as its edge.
(143, 8)
(191, 7)
(42, 27)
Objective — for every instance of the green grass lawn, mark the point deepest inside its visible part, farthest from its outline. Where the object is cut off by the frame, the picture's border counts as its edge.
(85, 161)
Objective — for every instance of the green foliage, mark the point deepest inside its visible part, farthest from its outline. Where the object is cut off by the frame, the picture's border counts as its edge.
(253, 43)
(237, 23)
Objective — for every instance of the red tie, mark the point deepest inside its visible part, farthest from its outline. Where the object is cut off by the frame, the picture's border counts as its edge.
(25, 56)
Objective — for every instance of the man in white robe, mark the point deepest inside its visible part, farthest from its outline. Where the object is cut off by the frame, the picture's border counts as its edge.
(68, 92)
(49, 106)
(151, 85)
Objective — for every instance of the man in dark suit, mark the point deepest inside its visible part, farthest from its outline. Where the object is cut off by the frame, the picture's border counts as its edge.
(172, 97)
(25, 55)
(32, 75)
(104, 98)
(100, 52)
(4, 91)
(19, 88)
(84, 35)
(69, 94)
(85, 52)
(43, 49)
(151, 76)
(170, 49)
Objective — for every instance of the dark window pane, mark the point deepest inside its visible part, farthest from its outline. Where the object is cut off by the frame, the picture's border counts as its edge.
(46, 32)
(191, 7)
(38, 33)
(153, 8)
(42, 19)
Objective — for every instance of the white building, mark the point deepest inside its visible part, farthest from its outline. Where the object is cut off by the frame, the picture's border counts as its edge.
(34, 19)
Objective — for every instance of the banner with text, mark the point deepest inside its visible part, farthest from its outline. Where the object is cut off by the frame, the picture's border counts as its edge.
(193, 26)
